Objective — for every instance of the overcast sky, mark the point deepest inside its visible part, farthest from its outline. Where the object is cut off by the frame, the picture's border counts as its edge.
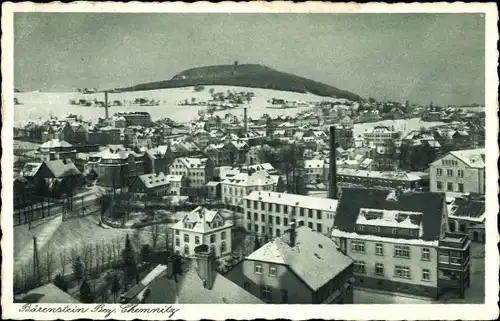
(420, 57)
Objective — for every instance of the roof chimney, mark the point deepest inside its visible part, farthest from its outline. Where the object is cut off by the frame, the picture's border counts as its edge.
(204, 265)
(332, 191)
(245, 120)
(292, 234)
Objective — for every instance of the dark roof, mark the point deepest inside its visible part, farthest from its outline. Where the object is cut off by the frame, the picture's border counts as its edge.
(353, 199)
(469, 208)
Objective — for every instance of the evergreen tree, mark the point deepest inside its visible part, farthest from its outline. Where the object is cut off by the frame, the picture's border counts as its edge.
(61, 282)
(78, 269)
(115, 285)
(129, 262)
(86, 295)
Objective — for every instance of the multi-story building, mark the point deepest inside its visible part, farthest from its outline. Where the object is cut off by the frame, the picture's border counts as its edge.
(382, 136)
(301, 267)
(201, 138)
(467, 215)
(219, 154)
(369, 178)
(197, 171)
(155, 184)
(136, 118)
(203, 226)
(269, 213)
(234, 188)
(461, 171)
(344, 136)
(176, 184)
(238, 151)
(55, 149)
(74, 133)
(314, 170)
(396, 240)
(116, 168)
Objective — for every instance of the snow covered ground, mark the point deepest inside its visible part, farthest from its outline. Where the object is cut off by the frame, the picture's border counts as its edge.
(38, 105)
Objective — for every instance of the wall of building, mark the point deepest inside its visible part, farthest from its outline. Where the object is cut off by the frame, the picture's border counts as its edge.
(389, 281)
(204, 239)
(285, 279)
(472, 180)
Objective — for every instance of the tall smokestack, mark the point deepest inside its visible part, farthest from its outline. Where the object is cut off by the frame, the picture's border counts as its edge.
(245, 120)
(332, 191)
(106, 103)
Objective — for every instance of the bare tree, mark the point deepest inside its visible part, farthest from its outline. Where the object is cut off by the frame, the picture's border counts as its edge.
(63, 260)
(48, 264)
(155, 231)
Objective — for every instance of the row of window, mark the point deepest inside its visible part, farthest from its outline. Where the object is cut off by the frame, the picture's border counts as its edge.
(262, 230)
(197, 239)
(449, 162)
(399, 270)
(277, 208)
(449, 186)
(187, 250)
(451, 257)
(449, 172)
(400, 251)
(272, 271)
(319, 227)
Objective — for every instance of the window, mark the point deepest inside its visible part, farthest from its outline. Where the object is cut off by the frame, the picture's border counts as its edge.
(318, 215)
(460, 173)
(402, 271)
(270, 219)
(249, 227)
(449, 187)
(212, 238)
(177, 241)
(222, 247)
(186, 238)
(269, 207)
(278, 232)
(273, 270)
(263, 229)
(285, 209)
(379, 249)
(284, 296)
(256, 228)
(444, 257)
(426, 254)
(301, 211)
(186, 249)
(285, 221)
(177, 232)
(278, 220)
(258, 268)
(310, 213)
(255, 205)
(223, 235)
(359, 267)
(379, 269)
(318, 227)
(310, 225)
(439, 171)
(266, 293)
(449, 172)
(455, 258)
(461, 187)
(402, 251)
(262, 217)
(262, 206)
(249, 216)
(255, 217)
(196, 240)
(358, 246)
(426, 275)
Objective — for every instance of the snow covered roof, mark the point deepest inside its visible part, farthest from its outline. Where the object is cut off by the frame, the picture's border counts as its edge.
(314, 258)
(153, 180)
(30, 169)
(472, 157)
(353, 201)
(310, 202)
(389, 218)
(258, 167)
(400, 176)
(260, 178)
(174, 178)
(60, 168)
(199, 218)
(53, 143)
(191, 162)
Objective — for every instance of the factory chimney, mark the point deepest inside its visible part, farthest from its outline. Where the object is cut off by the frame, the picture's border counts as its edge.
(245, 122)
(332, 191)
(106, 103)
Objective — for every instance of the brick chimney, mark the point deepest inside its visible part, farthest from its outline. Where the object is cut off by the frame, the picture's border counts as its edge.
(205, 265)
(332, 190)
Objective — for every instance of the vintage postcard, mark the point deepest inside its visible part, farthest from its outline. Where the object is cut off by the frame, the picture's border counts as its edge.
(249, 160)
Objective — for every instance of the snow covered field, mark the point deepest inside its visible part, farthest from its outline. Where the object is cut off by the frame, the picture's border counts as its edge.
(38, 106)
